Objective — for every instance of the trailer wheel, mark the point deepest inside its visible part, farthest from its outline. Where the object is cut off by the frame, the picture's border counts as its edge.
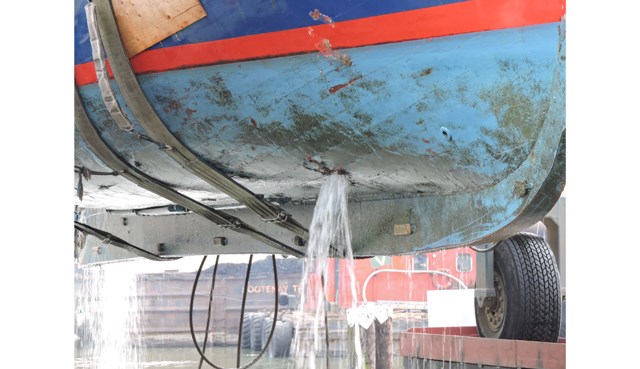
(527, 305)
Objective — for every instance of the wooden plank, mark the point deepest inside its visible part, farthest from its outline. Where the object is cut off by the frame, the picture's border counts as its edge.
(483, 351)
(490, 351)
(541, 355)
(443, 348)
(143, 23)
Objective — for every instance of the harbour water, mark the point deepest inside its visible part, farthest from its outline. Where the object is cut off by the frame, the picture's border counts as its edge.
(187, 357)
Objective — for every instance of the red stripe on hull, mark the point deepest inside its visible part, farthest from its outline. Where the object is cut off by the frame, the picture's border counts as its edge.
(446, 20)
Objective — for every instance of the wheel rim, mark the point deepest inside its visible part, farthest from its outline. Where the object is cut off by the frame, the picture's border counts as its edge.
(495, 308)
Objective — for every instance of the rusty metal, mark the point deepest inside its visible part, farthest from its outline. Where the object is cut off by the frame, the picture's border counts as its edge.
(521, 188)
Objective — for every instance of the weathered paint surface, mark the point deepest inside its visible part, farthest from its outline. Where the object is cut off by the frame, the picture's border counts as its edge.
(231, 19)
(263, 120)
(460, 136)
(263, 35)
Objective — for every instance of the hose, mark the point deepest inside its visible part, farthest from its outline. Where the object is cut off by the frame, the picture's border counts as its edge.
(435, 272)
(206, 330)
(275, 314)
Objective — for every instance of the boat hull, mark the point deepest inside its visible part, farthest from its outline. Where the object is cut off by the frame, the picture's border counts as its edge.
(460, 135)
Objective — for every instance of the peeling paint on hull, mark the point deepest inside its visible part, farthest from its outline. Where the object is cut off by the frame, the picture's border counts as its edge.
(453, 122)
(492, 92)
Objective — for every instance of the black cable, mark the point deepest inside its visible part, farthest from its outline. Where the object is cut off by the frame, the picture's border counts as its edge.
(244, 301)
(206, 330)
(275, 316)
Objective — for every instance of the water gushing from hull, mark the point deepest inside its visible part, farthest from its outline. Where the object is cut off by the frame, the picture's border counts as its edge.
(329, 234)
(107, 318)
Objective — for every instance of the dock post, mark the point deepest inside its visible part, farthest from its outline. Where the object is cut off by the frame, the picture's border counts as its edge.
(384, 344)
(377, 338)
(369, 338)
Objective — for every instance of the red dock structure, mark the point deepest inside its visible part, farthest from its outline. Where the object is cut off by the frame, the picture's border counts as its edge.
(462, 348)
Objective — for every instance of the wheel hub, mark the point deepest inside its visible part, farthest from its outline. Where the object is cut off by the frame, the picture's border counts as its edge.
(495, 307)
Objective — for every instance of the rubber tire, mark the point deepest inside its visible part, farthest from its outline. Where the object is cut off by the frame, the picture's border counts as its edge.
(257, 326)
(533, 308)
(280, 345)
(266, 329)
(246, 331)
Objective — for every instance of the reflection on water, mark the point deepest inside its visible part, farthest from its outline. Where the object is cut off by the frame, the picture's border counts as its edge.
(187, 357)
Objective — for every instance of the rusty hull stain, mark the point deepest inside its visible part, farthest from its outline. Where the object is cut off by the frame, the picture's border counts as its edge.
(426, 72)
(340, 86)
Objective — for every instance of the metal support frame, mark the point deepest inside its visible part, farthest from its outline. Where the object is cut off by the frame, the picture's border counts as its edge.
(109, 238)
(484, 276)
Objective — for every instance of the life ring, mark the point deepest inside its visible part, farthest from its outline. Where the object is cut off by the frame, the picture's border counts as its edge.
(442, 282)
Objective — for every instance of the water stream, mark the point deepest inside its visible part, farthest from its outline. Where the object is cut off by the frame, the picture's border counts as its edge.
(107, 318)
(329, 235)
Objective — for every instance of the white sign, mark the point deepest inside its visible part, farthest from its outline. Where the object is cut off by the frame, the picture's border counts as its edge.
(451, 308)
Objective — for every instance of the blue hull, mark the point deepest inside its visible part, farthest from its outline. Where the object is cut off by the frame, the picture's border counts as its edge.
(456, 122)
